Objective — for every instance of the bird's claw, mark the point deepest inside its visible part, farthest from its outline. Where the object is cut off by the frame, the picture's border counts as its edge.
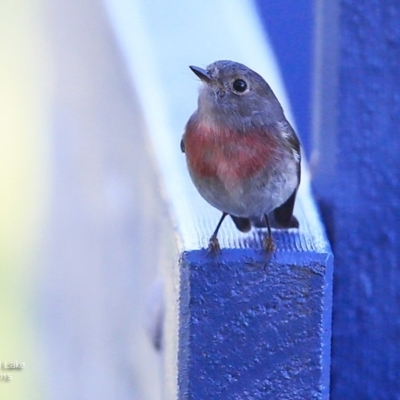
(269, 245)
(213, 246)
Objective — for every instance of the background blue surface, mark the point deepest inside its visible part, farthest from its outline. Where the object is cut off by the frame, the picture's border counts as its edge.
(290, 28)
(366, 204)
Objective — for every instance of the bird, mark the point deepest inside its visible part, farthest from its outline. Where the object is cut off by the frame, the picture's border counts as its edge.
(242, 154)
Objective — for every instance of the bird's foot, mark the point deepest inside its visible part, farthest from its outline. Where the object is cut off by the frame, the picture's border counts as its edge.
(269, 245)
(213, 246)
(213, 249)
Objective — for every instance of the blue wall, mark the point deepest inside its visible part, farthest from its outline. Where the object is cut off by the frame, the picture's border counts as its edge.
(290, 27)
(366, 340)
(360, 189)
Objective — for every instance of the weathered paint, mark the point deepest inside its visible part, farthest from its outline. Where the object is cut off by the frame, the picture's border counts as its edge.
(255, 332)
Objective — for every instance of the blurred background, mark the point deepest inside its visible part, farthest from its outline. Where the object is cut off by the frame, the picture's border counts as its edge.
(81, 194)
(75, 172)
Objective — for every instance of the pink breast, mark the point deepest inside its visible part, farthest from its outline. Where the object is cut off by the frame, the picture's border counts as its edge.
(226, 154)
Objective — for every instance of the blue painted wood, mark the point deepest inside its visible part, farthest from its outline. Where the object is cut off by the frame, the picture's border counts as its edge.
(254, 333)
(290, 26)
(234, 330)
(364, 193)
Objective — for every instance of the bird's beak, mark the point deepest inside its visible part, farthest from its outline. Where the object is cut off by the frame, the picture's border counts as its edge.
(202, 74)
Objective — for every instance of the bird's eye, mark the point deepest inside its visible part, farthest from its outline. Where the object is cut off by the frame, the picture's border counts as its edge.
(239, 85)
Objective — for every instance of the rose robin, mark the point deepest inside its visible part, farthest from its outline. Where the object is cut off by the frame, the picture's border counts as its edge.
(242, 154)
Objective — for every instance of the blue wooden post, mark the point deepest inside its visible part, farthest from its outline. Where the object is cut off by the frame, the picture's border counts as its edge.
(235, 330)
(253, 333)
(358, 179)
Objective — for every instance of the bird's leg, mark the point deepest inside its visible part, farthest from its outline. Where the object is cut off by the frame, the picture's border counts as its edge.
(268, 244)
(213, 244)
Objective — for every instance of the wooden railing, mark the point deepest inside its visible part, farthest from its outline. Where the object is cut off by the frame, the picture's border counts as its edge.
(232, 329)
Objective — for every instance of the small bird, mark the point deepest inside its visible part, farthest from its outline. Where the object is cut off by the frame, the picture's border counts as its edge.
(242, 154)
